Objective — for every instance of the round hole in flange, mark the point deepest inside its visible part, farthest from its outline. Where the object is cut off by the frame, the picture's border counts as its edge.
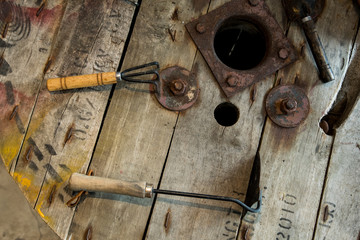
(240, 44)
(226, 114)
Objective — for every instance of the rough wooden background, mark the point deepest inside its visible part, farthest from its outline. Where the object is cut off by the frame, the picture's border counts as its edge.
(310, 180)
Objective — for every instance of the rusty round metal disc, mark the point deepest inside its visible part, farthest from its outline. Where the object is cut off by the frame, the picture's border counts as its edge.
(287, 105)
(178, 88)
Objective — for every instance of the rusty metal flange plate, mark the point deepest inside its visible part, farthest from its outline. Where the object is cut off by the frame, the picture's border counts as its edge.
(178, 89)
(287, 105)
(279, 51)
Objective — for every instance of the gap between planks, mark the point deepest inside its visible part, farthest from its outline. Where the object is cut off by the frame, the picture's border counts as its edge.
(133, 21)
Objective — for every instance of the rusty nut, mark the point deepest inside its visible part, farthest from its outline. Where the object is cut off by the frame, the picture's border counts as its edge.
(200, 28)
(288, 106)
(178, 87)
(232, 81)
(283, 53)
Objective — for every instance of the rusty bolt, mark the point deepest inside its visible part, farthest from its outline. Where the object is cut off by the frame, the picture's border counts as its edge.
(254, 2)
(283, 53)
(178, 87)
(200, 28)
(288, 105)
(232, 81)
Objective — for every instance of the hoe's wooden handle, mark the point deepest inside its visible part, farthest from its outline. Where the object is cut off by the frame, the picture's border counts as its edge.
(96, 79)
(79, 182)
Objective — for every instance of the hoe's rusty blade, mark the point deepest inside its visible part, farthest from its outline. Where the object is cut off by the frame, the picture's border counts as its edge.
(242, 43)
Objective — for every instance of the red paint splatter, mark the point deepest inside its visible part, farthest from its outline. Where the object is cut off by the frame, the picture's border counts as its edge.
(47, 16)
(19, 97)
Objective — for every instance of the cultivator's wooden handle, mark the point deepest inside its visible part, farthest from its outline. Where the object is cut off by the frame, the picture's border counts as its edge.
(139, 189)
(96, 79)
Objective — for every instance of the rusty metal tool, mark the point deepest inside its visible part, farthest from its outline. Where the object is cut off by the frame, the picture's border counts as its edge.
(175, 87)
(141, 189)
(305, 11)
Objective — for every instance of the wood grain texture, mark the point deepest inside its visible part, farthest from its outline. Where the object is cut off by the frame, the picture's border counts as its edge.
(24, 54)
(339, 210)
(89, 80)
(140, 140)
(340, 206)
(137, 130)
(294, 161)
(206, 157)
(350, 88)
(64, 126)
(79, 182)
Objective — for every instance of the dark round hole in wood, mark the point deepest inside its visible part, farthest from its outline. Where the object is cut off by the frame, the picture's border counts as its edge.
(226, 114)
(240, 44)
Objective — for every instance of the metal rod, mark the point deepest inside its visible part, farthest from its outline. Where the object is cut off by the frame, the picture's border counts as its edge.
(151, 68)
(317, 49)
(212, 197)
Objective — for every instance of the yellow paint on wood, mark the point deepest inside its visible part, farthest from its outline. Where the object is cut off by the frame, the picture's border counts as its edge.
(48, 201)
(10, 144)
(46, 218)
(40, 212)
(27, 186)
(9, 148)
(23, 181)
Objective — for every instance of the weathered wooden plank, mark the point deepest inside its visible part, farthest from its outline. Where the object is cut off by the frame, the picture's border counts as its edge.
(339, 210)
(294, 160)
(25, 44)
(349, 91)
(206, 157)
(65, 125)
(137, 131)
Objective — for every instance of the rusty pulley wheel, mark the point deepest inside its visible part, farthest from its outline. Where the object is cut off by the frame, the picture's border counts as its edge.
(287, 105)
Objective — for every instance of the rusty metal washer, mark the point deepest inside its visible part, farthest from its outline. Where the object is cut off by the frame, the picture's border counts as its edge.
(287, 105)
(178, 88)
